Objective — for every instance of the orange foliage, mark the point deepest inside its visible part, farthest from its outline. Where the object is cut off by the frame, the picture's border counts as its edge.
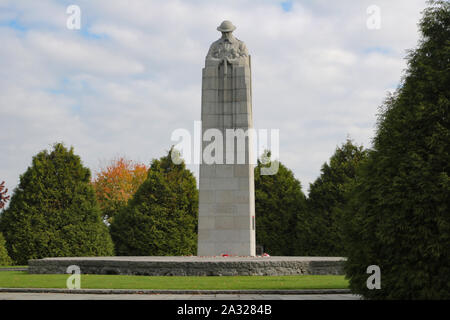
(116, 184)
(3, 197)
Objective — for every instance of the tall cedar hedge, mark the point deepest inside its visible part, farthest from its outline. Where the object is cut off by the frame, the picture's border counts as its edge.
(161, 218)
(399, 215)
(5, 260)
(53, 212)
(279, 210)
(327, 197)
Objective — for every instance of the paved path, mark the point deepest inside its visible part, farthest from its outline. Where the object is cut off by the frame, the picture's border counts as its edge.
(68, 296)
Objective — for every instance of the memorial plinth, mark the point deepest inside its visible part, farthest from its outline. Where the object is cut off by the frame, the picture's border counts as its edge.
(192, 266)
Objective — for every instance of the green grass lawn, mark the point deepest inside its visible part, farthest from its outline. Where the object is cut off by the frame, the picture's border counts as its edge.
(21, 279)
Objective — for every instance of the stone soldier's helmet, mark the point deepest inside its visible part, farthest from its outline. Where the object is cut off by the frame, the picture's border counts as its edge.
(226, 26)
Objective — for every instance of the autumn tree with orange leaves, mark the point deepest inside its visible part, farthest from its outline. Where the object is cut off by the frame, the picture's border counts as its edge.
(5, 260)
(4, 257)
(3, 197)
(116, 183)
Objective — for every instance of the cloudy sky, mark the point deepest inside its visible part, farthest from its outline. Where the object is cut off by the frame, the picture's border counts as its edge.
(131, 75)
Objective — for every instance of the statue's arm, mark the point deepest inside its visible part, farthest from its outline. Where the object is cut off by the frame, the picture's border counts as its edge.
(211, 53)
(242, 54)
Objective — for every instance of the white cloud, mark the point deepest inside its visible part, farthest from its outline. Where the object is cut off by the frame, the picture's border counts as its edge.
(76, 56)
(132, 74)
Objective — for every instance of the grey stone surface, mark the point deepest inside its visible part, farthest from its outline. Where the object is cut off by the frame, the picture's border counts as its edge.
(192, 266)
(14, 269)
(226, 200)
(81, 296)
(179, 292)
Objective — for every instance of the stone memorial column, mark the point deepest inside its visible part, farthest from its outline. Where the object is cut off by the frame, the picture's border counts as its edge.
(227, 197)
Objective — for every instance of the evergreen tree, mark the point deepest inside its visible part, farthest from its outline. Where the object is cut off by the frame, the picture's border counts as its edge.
(326, 199)
(399, 215)
(161, 218)
(53, 212)
(279, 208)
(5, 260)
